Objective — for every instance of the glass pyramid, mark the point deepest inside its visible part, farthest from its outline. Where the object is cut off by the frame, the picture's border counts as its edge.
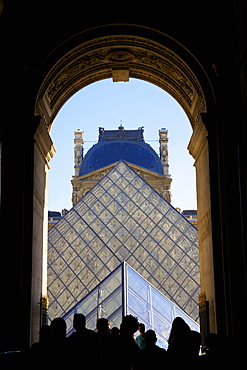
(125, 292)
(122, 218)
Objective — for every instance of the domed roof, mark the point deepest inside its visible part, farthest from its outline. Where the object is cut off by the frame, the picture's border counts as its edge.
(116, 145)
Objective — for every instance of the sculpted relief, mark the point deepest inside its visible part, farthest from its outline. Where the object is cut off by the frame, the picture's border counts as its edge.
(94, 60)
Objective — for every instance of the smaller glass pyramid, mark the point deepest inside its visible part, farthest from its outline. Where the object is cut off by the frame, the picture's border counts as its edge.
(125, 292)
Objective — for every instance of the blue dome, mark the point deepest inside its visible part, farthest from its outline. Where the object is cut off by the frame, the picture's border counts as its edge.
(105, 153)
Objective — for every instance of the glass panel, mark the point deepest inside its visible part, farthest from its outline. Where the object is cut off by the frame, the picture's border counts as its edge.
(129, 175)
(163, 207)
(141, 254)
(174, 234)
(97, 207)
(130, 190)
(122, 253)
(68, 255)
(176, 253)
(97, 191)
(114, 175)
(137, 284)
(106, 183)
(162, 306)
(62, 226)
(146, 190)
(116, 318)
(154, 198)
(105, 254)
(52, 255)
(162, 329)
(121, 182)
(97, 225)
(114, 225)
(113, 207)
(59, 265)
(182, 224)
(122, 215)
(81, 207)
(191, 233)
(165, 224)
(184, 243)
(193, 253)
(111, 304)
(140, 308)
(114, 191)
(173, 215)
(137, 183)
(111, 283)
(80, 226)
(54, 235)
(88, 303)
(57, 287)
(71, 217)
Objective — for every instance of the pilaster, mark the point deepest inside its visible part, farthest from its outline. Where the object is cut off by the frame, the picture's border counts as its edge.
(198, 148)
(44, 150)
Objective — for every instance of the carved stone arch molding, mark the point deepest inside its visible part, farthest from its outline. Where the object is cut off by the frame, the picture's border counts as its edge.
(135, 56)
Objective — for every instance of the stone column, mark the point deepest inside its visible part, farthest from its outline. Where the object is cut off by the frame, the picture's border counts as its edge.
(44, 150)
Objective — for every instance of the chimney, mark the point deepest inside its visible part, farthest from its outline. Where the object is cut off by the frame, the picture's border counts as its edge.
(78, 150)
(163, 140)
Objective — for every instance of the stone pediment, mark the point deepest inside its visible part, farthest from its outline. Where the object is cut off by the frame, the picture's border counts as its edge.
(98, 174)
(82, 184)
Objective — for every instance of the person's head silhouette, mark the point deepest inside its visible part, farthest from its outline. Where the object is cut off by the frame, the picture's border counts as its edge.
(79, 322)
(58, 329)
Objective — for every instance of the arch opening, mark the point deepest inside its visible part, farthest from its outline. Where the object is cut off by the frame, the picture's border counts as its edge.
(133, 104)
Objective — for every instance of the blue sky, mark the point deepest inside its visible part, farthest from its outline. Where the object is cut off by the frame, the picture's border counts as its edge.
(135, 103)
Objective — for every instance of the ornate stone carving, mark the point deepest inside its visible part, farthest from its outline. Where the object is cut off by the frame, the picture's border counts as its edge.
(120, 56)
(72, 70)
(97, 58)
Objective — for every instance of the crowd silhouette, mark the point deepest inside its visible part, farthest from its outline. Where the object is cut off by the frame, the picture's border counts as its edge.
(117, 348)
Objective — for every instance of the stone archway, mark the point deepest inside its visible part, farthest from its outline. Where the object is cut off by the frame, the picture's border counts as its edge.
(154, 58)
(120, 57)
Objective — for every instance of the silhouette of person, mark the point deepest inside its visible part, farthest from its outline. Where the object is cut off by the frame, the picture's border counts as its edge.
(106, 339)
(193, 347)
(40, 349)
(180, 329)
(178, 342)
(84, 344)
(58, 350)
(125, 349)
(140, 339)
(152, 356)
(115, 332)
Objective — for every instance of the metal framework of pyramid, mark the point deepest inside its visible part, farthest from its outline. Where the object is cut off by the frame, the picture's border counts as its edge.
(122, 218)
(124, 292)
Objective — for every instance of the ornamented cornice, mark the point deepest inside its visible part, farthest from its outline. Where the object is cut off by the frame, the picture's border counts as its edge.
(94, 60)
